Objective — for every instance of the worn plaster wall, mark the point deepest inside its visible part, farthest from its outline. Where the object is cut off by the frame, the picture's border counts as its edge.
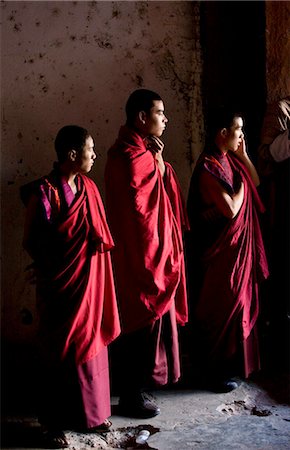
(77, 62)
(277, 49)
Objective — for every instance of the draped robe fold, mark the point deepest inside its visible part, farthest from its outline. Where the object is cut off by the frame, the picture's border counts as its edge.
(228, 263)
(147, 216)
(70, 242)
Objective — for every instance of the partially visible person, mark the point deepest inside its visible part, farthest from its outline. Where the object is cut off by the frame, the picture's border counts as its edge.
(275, 144)
(274, 171)
(67, 236)
(226, 256)
(147, 216)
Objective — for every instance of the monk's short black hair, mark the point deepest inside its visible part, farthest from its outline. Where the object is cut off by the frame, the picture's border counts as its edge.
(140, 100)
(70, 137)
(219, 117)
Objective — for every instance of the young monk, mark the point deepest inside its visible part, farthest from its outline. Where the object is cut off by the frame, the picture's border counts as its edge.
(67, 236)
(147, 216)
(227, 259)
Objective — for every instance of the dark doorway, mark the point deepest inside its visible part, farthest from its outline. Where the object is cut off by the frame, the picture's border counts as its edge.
(233, 45)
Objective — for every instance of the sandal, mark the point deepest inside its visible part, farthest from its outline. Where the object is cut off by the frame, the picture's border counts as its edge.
(54, 439)
(103, 428)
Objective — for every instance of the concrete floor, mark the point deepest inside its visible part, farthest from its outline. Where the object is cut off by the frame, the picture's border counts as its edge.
(254, 416)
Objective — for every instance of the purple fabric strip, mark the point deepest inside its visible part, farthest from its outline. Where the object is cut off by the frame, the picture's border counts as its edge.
(47, 198)
(67, 190)
(46, 202)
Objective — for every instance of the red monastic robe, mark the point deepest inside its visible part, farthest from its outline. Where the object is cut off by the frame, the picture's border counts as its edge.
(232, 262)
(147, 216)
(75, 287)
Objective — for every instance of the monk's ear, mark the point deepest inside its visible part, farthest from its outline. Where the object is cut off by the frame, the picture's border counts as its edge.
(142, 116)
(224, 132)
(72, 154)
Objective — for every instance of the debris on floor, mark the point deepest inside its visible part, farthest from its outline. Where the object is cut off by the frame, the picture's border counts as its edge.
(246, 406)
(122, 438)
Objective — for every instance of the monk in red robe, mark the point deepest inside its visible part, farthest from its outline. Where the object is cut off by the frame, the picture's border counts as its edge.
(226, 257)
(67, 236)
(147, 217)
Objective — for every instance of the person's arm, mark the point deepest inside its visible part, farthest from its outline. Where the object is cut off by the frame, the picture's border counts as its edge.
(156, 146)
(242, 154)
(214, 194)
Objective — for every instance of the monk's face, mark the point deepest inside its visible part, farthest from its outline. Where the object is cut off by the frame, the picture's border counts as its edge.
(85, 159)
(234, 135)
(155, 120)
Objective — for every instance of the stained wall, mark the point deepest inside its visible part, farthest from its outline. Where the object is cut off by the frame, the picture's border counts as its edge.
(277, 49)
(76, 63)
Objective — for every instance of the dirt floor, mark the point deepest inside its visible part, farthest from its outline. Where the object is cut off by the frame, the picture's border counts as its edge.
(254, 416)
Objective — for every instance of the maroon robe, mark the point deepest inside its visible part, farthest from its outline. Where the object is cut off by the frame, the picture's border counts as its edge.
(147, 217)
(70, 242)
(230, 261)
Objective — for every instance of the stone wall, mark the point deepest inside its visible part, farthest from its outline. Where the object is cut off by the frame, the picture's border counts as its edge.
(77, 62)
(277, 49)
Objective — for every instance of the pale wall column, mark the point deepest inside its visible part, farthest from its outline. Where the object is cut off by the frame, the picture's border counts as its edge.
(277, 49)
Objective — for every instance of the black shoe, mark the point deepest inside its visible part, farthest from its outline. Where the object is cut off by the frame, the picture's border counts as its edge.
(224, 386)
(140, 406)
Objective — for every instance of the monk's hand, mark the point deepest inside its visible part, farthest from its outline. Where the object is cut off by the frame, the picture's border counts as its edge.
(154, 144)
(244, 157)
(241, 151)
